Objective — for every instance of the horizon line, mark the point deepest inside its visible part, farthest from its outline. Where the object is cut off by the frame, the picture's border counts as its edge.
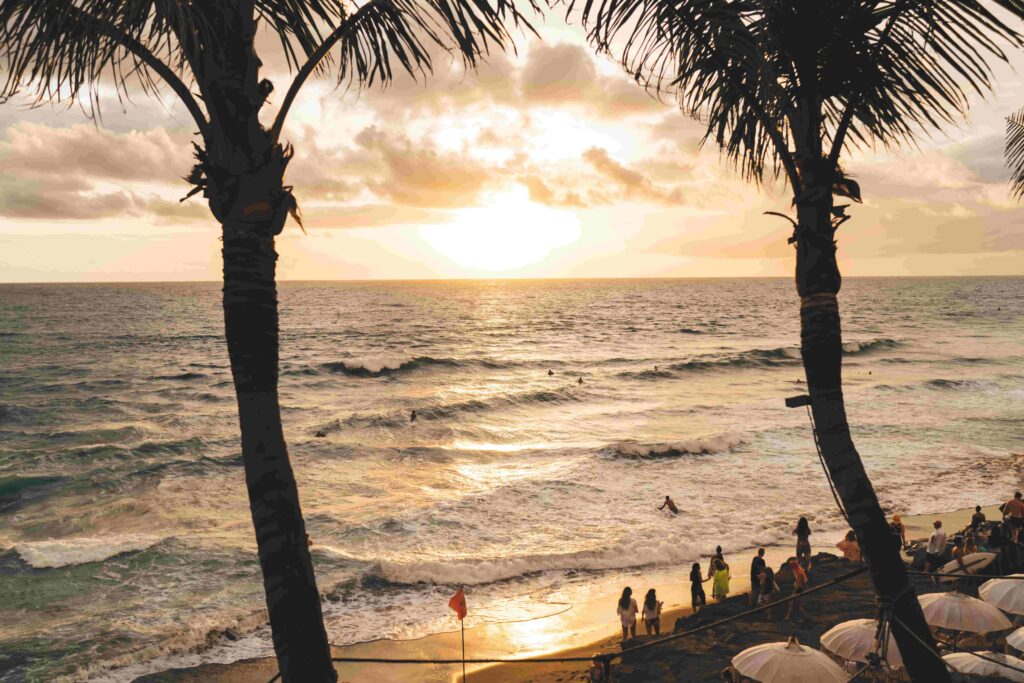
(512, 279)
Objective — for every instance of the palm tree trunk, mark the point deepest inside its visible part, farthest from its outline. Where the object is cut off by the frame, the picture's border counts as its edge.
(251, 328)
(818, 283)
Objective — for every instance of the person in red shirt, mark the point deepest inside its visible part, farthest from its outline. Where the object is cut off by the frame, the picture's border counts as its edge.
(799, 583)
(1013, 514)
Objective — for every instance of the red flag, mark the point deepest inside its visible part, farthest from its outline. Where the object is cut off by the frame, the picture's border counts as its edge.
(458, 603)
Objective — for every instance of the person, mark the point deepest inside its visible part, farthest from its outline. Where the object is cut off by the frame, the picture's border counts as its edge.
(756, 565)
(655, 368)
(898, 530)
(598, 672)
(936, 548)
(697, 597)
(977, 519)
(766, 590)
(309, 541)
(580, 380)
(550, 372)
(718, 554)
(652, 613)
(803, 539)
(412, 416)
(627, 611)
(1013, 514)
(850, 547)
(670, 505)
(721, 575)
(799, 583)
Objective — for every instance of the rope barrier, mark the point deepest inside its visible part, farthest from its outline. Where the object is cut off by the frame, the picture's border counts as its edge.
(821, 459)
(607, 656)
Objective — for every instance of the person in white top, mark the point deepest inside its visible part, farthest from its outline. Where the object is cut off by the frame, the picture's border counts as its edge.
(627, 610)
(652, 613)
(936, 548)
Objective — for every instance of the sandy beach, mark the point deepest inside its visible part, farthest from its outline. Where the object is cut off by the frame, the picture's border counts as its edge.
(591, 627)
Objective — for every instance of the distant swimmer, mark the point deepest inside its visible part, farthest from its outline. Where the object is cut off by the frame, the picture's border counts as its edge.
(655, 368)
(550, 372)
(580, 380)
(670, 505)
(412, 416)
(321, 434)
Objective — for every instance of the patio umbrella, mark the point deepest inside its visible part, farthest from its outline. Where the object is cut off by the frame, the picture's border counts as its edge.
(1006, 594)
(1016, 639)
(854, 639)
(959, 612)
(1005, 666)
(973, 562)
(788, 663)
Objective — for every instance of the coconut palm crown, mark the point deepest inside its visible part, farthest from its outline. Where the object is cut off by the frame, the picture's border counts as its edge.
(205, 52)
(783, 87)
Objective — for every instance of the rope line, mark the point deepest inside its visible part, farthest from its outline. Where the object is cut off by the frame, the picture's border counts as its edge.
(821, 459)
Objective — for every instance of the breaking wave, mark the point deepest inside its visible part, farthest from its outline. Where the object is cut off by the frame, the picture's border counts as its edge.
(83, 550)
(720, 443)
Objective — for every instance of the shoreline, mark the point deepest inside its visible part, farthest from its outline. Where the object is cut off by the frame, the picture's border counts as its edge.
(585, 629)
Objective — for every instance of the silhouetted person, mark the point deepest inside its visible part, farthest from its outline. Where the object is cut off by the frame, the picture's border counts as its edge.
(757, 565)
(412, 416)
(655, 368)
(550, 372)
(580, 380)
(670, 505)
(1013, 514)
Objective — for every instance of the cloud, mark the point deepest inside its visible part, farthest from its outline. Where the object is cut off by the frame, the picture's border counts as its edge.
(632, 184)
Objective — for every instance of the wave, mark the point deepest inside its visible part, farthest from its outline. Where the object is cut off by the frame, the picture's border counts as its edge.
(760, 358)
(183, 376)
(483, 571)
(689, 330)
(851, 347)
(647, 374)
(720, 443)
(83, 550)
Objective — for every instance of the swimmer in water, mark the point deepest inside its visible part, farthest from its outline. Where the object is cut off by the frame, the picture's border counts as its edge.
(655, 368)
(670, 505)
(412, 416)
(580, 380)
(550, 372)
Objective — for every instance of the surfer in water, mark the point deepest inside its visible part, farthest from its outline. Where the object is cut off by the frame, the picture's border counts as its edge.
(550, 372)
(670, 504)
(580, 380)
(412, 416)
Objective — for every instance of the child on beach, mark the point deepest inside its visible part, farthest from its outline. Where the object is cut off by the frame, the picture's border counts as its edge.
(697, 597)
(799, 583)
(627, 610)
(652, 613)
(898, 530)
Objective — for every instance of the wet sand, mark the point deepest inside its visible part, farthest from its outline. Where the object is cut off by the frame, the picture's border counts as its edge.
(592, 627)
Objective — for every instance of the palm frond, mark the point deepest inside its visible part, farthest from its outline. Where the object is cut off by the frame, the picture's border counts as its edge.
(1015, 152)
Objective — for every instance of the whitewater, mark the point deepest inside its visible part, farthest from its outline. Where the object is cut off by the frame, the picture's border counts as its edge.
(125, 540)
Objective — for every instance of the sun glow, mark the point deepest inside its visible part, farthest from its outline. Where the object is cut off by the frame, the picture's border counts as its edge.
(509, 233)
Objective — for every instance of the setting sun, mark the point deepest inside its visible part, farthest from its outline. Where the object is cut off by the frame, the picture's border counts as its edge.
(509, 233)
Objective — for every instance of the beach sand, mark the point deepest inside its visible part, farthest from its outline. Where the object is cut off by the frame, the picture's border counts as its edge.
(592, 627)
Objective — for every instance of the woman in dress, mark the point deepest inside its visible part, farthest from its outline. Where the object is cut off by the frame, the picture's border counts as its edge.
(803, 539)
(627, 610)
(652, 613)
(697, 597)
(720, 587)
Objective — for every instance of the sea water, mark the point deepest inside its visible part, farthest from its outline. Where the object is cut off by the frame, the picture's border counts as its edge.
(125, 538)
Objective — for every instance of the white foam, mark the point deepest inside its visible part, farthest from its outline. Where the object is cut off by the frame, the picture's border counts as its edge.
(69, 551)
(476, 572)
(719, 443)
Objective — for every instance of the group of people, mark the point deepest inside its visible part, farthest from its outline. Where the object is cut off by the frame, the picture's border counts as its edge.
(628, 610)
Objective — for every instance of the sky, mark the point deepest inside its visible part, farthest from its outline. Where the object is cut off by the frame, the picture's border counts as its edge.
(549, 162)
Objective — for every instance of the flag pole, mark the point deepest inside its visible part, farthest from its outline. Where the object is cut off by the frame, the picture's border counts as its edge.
(462, 622)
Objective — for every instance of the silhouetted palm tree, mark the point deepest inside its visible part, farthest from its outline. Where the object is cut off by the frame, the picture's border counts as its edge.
(61, 49)
(784, 86)
(1015, 152)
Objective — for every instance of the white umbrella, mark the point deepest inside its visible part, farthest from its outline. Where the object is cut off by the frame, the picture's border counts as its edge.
(959, 612)
(854, 639)
(973, 562)
(1005, 666)
(1006, 594)
(788, 663)
(1016, 639)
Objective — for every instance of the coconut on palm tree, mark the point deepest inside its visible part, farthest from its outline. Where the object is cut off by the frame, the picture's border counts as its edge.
(784, 88)
(63, 49)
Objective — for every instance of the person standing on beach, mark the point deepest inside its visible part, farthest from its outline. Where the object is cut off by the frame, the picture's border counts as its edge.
(627, 611)
(756, 565)
(850, 547)
(977, 519)
(697, 596)
(799, 583)
(670, 504)
(803, 539)
(1013, 514)
(898, 530)
(766, 590)
(652, 613)
(721, 575)
(936, 548)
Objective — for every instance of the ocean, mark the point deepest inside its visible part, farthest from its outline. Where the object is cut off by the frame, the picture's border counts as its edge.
(125, 540)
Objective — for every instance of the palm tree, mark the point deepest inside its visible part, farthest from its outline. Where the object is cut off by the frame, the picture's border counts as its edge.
(784, 87)
(1015, 152)
(62, 49)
